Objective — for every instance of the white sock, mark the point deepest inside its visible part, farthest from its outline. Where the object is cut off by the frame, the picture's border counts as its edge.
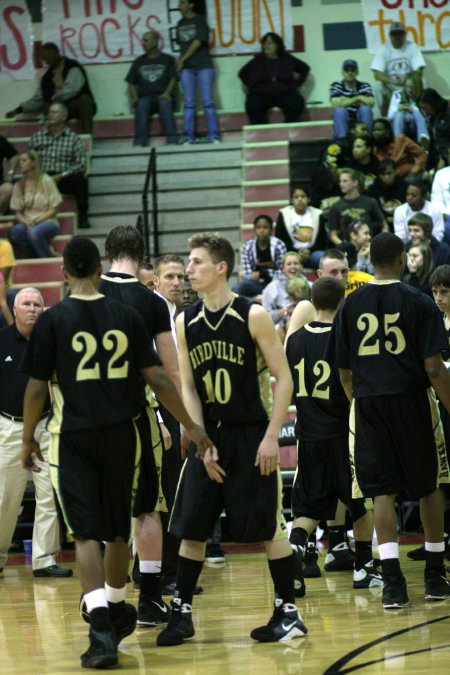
(95, 599)
(150, 566)
(435, 547)
(388, 550)
(115, 594)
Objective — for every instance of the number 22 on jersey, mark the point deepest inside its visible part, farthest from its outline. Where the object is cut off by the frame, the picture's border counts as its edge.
(114, 341)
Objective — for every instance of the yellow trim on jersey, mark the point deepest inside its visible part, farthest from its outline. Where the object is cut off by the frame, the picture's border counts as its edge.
(356, 490)
(281, 529)
(120, 280)
(384, 282)
(54, 425)
(443, 475)
(319, 329)
(229, 311)
(157, 448)
(137, 462)
(95, 296)
(53, 463)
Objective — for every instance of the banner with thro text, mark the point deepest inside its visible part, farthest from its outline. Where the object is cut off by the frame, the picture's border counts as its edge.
(427, 22)
(16, 40)
(110, 31)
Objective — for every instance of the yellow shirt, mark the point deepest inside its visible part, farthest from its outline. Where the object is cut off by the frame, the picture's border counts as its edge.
(356, 278)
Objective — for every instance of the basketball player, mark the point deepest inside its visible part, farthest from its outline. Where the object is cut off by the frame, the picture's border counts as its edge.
(227, 349)
(323, 474)
(388, 339)
(124, 248)
(94, 351)
(340, 556)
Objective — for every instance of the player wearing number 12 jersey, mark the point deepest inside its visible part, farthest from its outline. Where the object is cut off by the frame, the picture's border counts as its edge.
(323, 472)
(227, 349)
(94, 351)
(388, 339)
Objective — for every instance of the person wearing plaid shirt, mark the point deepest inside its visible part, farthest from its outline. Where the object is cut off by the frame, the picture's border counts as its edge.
(63, 156)
(261, 257)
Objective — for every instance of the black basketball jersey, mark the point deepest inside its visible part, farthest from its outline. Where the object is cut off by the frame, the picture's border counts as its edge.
(230, 374)
(91, 349)
(322, 406)
(127, 289)
(383, 333)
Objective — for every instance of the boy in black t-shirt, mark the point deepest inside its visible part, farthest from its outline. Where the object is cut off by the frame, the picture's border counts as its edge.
(94, 351)
(388, 341)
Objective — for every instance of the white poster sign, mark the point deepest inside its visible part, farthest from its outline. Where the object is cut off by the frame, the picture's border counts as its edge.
(16, 40)
(110, 31)
(427, 22)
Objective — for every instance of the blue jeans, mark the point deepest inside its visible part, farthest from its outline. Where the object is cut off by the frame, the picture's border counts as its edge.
(248, 287)
(147, 106)
(414, 123)
(33, 242)
(205, 80)
(341, 119)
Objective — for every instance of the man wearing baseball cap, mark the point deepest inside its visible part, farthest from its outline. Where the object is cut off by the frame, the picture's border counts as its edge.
(351, 99)
(393, 61)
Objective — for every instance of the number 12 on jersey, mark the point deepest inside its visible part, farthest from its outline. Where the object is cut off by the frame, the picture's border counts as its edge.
(322, 371)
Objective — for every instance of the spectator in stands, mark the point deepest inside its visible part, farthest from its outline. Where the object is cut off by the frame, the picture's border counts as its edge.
(65, 81)
(301, 228)
(392, 63)
(151, 85)
(324, 189)
(404, 113)
(356, 277)
(272, 79)
(420, 228)
(7, 152)
(363, 159)
(261, 258)
(440, 195)
(275, 298)
(195, 67)
(417, 202)
(357, 233)
(410, 159)
(419, 265)
(146, 274)
(297, 289)
(351, 99)
(437, 111)
(354, 205)
(35, 200)
(63, 156)
(388, 188)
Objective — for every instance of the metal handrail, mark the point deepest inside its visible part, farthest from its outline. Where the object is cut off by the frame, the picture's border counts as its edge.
(143, 223)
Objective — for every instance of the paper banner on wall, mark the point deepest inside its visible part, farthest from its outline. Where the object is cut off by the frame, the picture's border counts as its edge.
(427, 23)
(16, 40)
(110, 31)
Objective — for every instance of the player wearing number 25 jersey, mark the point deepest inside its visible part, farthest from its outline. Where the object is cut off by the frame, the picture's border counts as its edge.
(389, 339)
(384, 333)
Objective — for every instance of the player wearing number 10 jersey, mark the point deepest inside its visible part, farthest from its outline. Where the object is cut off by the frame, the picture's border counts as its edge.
(388, 340)
(227, 346)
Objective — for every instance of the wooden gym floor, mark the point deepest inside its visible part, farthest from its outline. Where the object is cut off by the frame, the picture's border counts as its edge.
(41, 631)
